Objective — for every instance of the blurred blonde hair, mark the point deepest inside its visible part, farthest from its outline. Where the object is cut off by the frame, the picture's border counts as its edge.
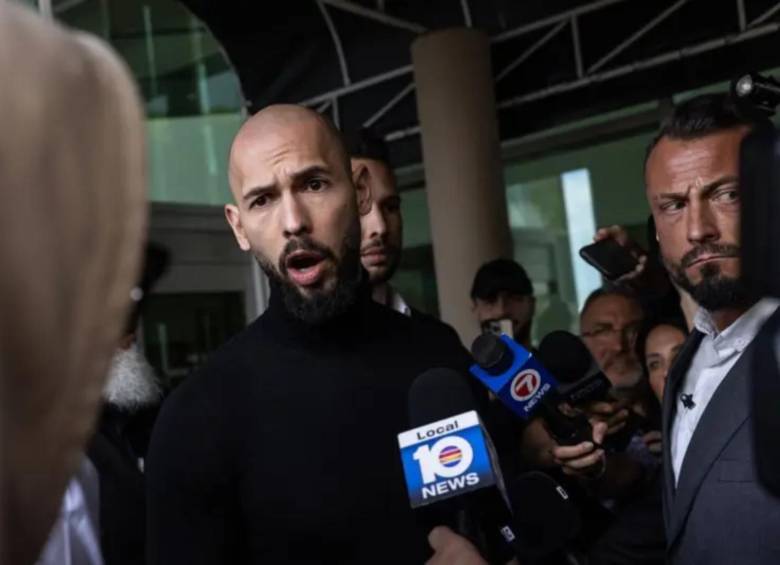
(72, 211)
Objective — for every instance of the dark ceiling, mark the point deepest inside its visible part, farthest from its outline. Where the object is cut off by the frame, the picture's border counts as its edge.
(627, 52)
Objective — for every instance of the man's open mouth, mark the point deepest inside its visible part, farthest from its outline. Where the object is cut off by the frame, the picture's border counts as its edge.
(305, 268)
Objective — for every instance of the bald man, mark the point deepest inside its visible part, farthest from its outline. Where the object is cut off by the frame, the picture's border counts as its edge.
(283, 448)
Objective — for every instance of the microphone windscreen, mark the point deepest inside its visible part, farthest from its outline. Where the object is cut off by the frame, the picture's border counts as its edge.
(491, 353)
(565, 356)
(438, 394)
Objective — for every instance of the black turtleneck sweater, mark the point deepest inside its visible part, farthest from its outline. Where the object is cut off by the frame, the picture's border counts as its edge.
(283, 448)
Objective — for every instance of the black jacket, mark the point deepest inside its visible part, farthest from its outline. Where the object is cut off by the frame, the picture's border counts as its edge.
(117, 451)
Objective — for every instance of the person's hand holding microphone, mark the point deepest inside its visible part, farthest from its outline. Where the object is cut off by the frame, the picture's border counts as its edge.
(451, 549)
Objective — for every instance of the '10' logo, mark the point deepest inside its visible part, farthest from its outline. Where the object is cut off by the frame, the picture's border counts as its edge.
(447, 458)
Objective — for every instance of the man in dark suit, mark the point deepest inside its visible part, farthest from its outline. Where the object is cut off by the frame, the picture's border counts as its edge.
(714, 509)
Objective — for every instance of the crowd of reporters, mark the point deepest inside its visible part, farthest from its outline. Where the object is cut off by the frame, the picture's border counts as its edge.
(282, 447)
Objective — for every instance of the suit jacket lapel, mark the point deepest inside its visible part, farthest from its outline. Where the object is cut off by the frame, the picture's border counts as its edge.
(726, 412)
(668, 411)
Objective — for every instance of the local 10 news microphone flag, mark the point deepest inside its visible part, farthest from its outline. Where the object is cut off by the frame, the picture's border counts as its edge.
(451, 471)
(449, 463)
(447, 452)
(446, 458)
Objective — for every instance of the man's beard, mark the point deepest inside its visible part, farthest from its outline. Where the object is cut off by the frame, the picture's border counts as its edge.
(132, 383)
(716, 291)
(393, 260)
(321, 305)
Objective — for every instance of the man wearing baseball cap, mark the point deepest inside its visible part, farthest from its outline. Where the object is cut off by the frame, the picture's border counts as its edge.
(503, 291)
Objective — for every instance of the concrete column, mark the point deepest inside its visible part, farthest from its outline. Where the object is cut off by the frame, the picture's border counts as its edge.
(463, 171)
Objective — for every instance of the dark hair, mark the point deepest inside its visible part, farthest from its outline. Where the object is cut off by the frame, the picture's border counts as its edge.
(649, 326)
(610, 291)
(501, 275)
(704, 115)
(366, 144)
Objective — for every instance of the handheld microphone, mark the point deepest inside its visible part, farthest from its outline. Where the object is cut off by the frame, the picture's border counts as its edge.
(450, 466)
(526, 387)
(571, 362)
(566, 357)
(545, 516)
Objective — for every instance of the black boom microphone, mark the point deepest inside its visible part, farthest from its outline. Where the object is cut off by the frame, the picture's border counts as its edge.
(569, 359)
(566, 357)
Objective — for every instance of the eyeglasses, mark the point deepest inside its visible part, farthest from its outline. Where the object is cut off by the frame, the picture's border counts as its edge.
(604, 332)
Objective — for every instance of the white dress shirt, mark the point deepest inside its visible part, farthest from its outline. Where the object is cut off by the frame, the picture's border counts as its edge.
(717, 354)
(397, 302)
(75, 539)
(391, 298)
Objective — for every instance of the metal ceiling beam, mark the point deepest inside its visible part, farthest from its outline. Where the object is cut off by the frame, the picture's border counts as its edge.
(766, 15)
(466, 13)
(637, 35)
(334, 34)
(741, 15)
(624, 70)
(336, 113)
(562, 16)
(402, 133)
(392, 103)
(359, 85)
(531, 50)
(630, 68)
(575, 41)
(380, 17)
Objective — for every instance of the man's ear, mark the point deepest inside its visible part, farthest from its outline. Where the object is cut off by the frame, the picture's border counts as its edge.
(361, 178)
(234, 219)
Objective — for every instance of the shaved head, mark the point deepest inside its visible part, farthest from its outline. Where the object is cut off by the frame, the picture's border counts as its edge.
(297, 208)
(278, 120)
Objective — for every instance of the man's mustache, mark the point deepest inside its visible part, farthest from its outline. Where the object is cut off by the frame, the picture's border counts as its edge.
(720, 249)
(378, 245)
(304, 243)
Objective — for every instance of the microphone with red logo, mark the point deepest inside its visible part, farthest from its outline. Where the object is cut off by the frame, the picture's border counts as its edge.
(452, 473)
(522, 383)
